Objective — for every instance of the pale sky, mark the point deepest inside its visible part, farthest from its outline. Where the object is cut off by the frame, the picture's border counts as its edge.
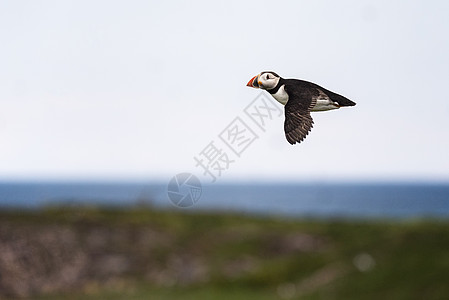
(136, 89)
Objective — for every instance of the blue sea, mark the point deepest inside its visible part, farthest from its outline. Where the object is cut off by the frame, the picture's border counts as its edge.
(345, 200)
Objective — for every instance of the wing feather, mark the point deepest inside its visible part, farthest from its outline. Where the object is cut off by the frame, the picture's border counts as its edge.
(298, 121)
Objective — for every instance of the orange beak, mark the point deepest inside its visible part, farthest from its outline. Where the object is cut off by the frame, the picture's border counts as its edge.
(253, 82)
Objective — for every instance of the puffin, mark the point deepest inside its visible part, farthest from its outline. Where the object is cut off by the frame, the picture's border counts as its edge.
(299, 97)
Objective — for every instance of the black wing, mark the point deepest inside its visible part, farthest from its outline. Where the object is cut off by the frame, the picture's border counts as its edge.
(298, 121)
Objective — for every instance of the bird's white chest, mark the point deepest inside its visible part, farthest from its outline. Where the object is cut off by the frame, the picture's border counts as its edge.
(281, 95)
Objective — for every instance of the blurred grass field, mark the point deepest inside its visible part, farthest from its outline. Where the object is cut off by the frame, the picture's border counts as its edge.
(89, 253)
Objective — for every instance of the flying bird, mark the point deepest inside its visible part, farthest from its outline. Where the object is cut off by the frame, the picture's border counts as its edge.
(299, 98)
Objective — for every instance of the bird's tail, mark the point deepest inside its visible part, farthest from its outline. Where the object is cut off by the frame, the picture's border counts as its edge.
(342, 101)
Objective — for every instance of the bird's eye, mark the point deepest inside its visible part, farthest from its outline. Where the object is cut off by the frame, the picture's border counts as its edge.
(268, 77)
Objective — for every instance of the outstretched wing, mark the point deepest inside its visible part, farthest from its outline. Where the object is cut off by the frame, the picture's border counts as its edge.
(298, 121)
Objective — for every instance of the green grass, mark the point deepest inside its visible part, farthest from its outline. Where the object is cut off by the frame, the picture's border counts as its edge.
(229, 256)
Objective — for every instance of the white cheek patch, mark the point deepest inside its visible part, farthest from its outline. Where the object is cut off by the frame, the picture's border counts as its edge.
(269, 84)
